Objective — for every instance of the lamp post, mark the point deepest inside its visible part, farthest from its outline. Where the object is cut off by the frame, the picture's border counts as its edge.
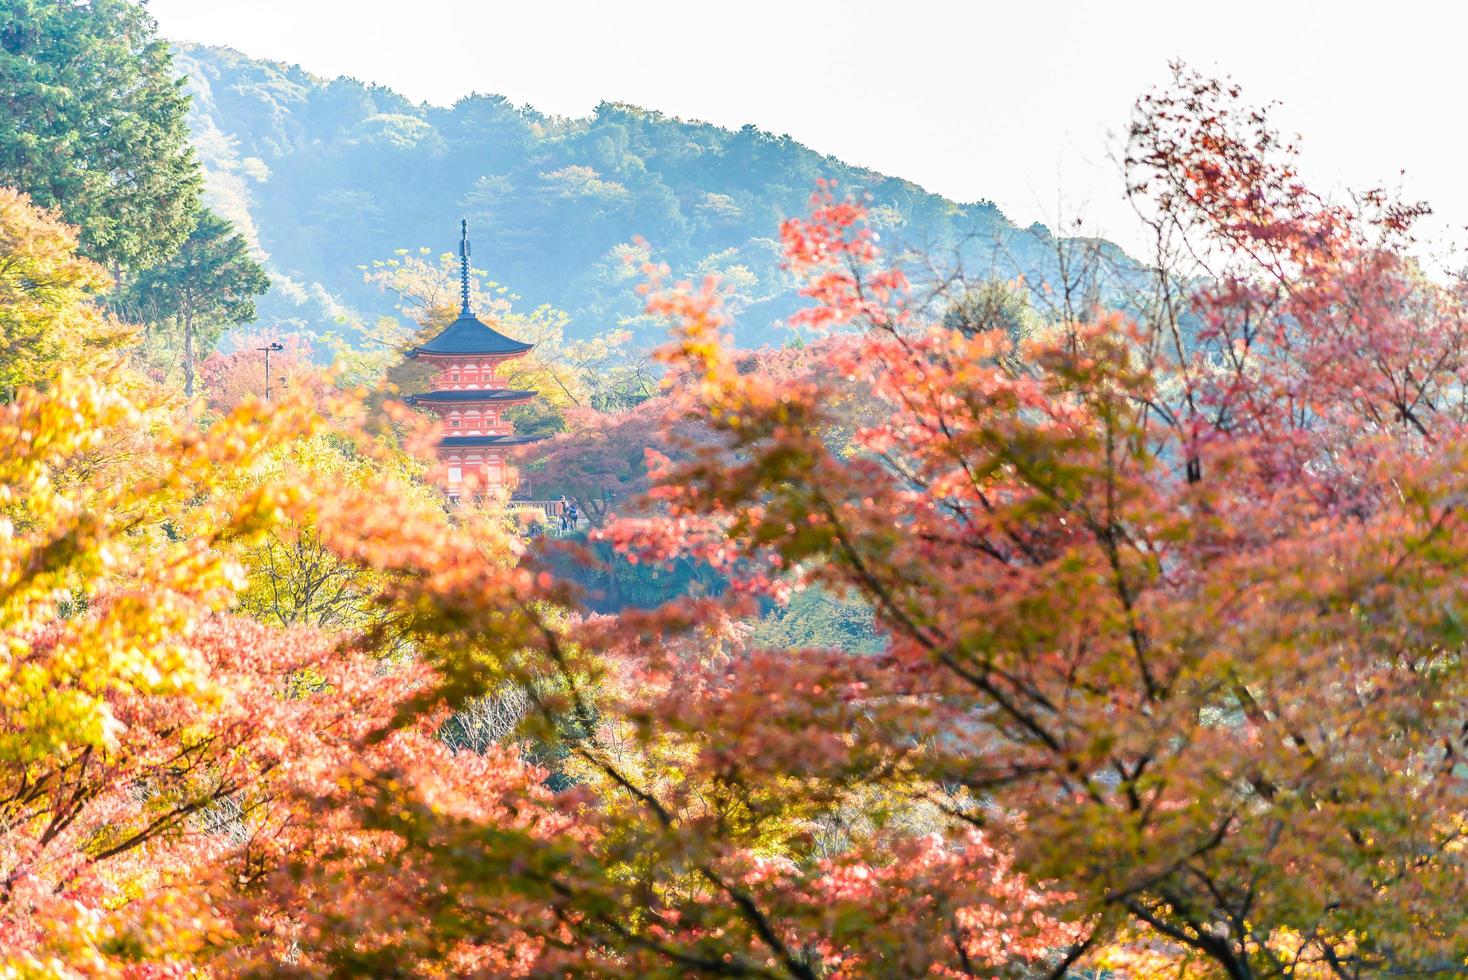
(277, 347)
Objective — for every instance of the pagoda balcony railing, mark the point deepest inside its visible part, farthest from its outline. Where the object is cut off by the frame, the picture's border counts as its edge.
(552, 508)
(503, 429)
(547, 514)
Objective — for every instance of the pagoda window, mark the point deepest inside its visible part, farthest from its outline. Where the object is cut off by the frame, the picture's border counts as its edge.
(456, 474)
(454, 374)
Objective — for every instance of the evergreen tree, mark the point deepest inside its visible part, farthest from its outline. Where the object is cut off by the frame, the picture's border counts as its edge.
(207, 286)
(92, 123)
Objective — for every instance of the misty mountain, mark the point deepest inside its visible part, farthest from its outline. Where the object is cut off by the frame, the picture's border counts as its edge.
(327, 175)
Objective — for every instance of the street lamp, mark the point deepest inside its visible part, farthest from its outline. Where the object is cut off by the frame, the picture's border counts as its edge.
(275, 346)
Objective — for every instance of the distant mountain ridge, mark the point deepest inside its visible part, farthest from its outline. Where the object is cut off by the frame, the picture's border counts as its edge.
(328, 175)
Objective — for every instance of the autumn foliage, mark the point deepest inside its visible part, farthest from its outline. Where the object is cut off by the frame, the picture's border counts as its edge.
(1170, 595)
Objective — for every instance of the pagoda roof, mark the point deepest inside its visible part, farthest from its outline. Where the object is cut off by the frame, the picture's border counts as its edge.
(469, 335)
(454, 395)
(477, 442)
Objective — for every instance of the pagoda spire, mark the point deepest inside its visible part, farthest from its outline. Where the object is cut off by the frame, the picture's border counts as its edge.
(464, 262)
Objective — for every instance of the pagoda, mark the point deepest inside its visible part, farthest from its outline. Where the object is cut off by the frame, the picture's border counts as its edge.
(469, 397)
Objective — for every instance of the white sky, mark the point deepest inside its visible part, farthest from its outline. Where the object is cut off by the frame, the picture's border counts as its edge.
(1018, 102)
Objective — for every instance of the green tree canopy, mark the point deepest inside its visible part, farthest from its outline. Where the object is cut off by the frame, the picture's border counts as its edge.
(92, 122)
(207, 286)
(994, 304)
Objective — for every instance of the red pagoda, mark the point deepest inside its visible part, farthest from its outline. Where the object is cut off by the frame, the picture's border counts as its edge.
(469, 396)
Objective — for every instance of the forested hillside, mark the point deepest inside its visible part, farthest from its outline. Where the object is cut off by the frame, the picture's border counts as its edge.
(329, 175)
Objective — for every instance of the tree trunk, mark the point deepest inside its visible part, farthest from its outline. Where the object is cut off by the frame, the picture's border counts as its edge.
(614, 591)
(188, 355)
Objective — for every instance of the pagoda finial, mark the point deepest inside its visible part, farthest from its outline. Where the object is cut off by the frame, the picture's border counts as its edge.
(464, 261)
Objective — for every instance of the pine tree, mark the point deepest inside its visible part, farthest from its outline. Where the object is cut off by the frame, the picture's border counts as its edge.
(92, 123)
(210, 284)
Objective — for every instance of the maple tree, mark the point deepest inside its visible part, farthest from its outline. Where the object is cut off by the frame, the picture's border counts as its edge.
(161, 757)
(600, 461)
(1175, 600)
(1167, 616)
(116, 738)
(45, 322)
(231, 379)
